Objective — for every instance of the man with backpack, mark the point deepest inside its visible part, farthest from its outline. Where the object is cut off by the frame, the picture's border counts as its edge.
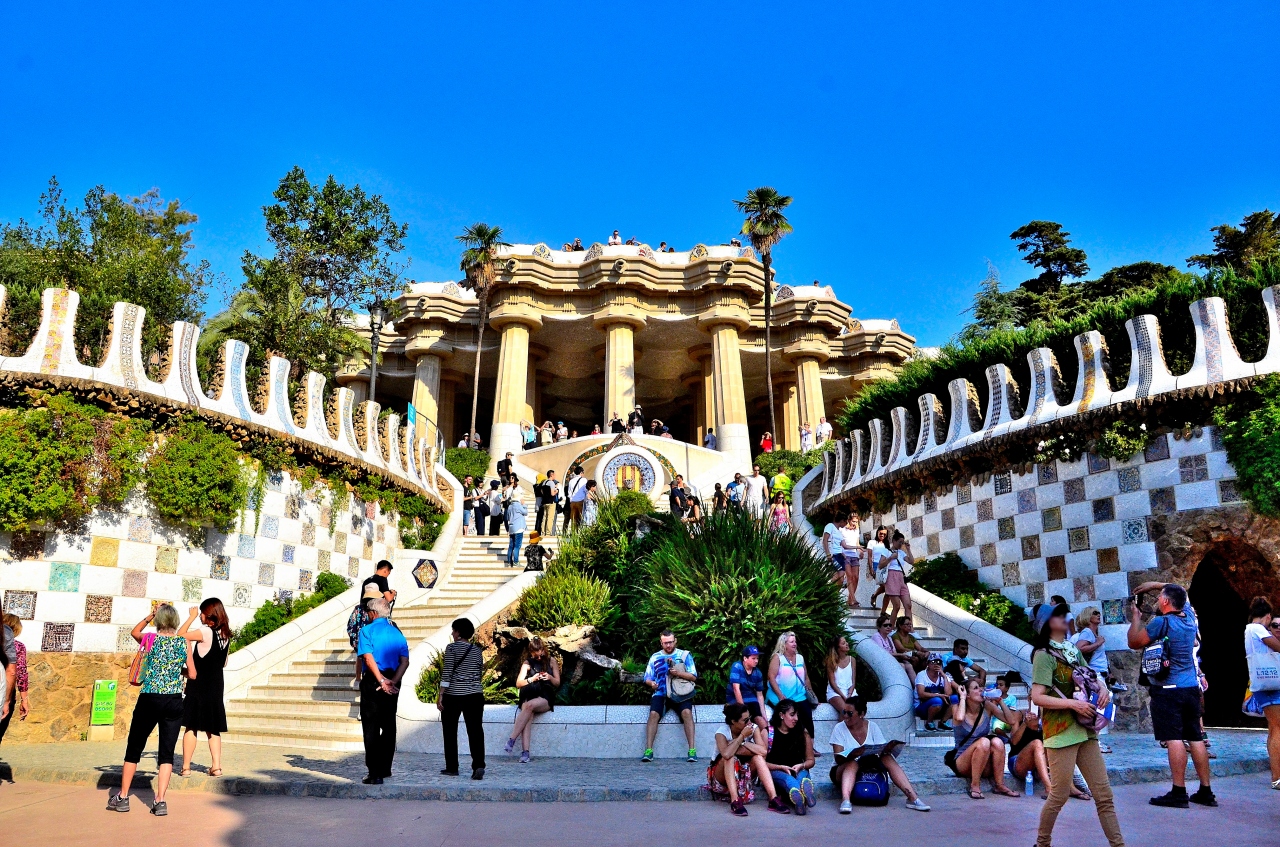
(1169, 665)
(550, 496)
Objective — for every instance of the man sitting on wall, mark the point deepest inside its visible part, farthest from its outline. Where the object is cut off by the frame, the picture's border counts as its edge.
(958, 664)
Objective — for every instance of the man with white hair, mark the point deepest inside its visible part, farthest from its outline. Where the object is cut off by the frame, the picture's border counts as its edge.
(385, 652)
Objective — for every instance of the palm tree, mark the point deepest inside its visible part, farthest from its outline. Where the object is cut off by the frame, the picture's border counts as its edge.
(481, 243)
(765, 225)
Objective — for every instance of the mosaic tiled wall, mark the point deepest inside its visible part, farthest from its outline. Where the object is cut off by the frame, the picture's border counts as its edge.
(84, 592)
(1071, 528)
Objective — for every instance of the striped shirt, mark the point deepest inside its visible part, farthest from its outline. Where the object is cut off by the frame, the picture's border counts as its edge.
(463, 666)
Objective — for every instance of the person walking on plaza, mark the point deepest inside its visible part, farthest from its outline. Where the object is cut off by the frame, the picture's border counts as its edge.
(537, 681)
(462, 695)
(896, 593)
(779, 514)
(1261, 651)
(672, 676)
(1176, 695)
(385, 652)
(755, 493)
(853, 740)
(14, 690)
(202, 708)
(781, 484)
(1067, 743)
(159, 706)
(788, 679)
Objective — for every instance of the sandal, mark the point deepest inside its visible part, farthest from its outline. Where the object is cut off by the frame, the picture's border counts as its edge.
(1005, 791)
(215, 772)
(185, 772)
(975, 794)
(1077, 794)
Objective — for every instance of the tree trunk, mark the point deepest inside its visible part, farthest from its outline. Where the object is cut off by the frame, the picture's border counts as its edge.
(483, 298)
(768, 346)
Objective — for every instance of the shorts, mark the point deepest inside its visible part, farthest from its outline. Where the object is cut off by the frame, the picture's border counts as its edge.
(837, 562)
(661, 704)
(1175, 714)
(466, 517)
(895, 585)
(922, 711)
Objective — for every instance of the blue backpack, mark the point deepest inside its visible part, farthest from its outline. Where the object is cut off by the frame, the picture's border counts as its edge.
(872, 787)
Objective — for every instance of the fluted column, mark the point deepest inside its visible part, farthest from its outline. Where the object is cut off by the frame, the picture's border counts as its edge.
(705, 393)
(809, 388)
(732, 434)
(509, 397)
(426, 395)
(619, 325)
(789, 438)
(448, 402)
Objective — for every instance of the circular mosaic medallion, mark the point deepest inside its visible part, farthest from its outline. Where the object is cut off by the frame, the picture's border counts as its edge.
(629, 469)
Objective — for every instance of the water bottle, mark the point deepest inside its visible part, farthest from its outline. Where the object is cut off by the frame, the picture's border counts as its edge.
(1030, 783)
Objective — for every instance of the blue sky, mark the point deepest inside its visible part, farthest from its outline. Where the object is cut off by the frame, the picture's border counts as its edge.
(914, 138)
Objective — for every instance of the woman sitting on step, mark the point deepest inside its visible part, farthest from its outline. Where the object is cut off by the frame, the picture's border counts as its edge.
(538, 680)
(979, 752)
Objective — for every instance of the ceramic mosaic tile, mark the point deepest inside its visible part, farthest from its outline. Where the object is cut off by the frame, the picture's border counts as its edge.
(192, 589)
(1035, 593)
(948, 520)
(1130, 479)
(322, 560)
(134, 584)
(326, 516)
(254, 500)
(287, 553)
(930, 502)
(1056, 567)
(368, 549)
(1030, 546)
(1051, 519)
(124, 640)
(140, 529)
(966, 536)
(1227, 492)
(964, 494)
(1193, 468)
(932, 545)
(220, 567)
(357, 524)
(275, 481)
(1134, 530)
(1073, 491)
(104, 552)
(57, 637)
(917, 527)
(1078, 539)
(339, 542)
(309, 535)
(1006, 529)
(64, 576)
(1109, 560)
(1104, 509)
(1097, 464)
(353, 566)
(97, 608)
(1157, 450)
(284, 595)
(167, 560)
(304, 580)
(987, 554)
(292, 507)
(900, 513)
(1164, 501)
(985, 512)
(1084, 589)
(1003, 483)
(27, 546)
(245, 546)
(266, 574)
(1047, 473)
(270, 527)
(1215, 438)
(1026, 501)
(1113, 611)
(371, 510)
(382, 532)
(20, 603)
(242, 595)
(1011, 573)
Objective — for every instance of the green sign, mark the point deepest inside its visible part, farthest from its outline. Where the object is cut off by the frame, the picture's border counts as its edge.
(104, 703)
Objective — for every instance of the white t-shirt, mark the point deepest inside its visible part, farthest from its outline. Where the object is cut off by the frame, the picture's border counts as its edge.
(578, 490)
(1098, 658)
(878, 551)
(755, 487)
(1253, 635)
(852, 538)
(834, 537)
(896, 560)
(841, 737)
(824, 430)
(615, 240)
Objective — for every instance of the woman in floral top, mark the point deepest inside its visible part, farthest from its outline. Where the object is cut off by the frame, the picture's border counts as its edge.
(159, 704)
(18, 697)
(1067, 743)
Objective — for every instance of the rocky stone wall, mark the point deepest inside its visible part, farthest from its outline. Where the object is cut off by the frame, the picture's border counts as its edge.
(61, 695)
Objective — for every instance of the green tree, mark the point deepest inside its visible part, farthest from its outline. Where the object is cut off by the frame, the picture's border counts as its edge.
(109, 249)
(1049, 248)
(481, 243)
(1122, 279)
(992, 309)
(1257, 240)
(765, 226)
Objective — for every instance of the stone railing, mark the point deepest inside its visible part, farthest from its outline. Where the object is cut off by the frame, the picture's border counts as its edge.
(916, 443)
(345, 433)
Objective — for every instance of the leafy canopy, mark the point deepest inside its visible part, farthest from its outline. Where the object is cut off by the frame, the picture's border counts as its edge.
(1256, 240)
(765, 224)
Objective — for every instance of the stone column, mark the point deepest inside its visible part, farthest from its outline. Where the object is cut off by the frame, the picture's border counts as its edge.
(705, 394)
(426, 395)
(809, 389)
(619, 327)
(513, 374)
(732, 435)
(448, 402)
(789, 438)
(360, 388)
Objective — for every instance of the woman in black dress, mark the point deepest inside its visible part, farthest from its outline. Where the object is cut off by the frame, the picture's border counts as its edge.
(538, 680)
(203, 709)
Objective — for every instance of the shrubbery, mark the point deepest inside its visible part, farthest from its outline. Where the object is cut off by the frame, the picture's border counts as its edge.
(565, 596)
(196, 478)
(275, 613)
(496, 689)
(1251, 433)
(949, 578)
(464, 462)
(796, 463)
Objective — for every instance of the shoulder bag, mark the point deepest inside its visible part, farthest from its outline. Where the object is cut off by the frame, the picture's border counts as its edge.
(454, 672)
(949, 757)
(1087, 687)
(1264, 671)
(1155, 665)
(680, 689)
(139, 664)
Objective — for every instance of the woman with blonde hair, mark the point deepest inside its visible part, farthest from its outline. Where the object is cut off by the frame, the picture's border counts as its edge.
(159, 706)
(788, 679)
(537, 681)
(203, 709)
(18, 696)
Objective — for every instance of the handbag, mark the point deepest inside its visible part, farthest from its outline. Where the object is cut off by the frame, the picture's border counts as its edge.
(680, 689)
(1088, 687)
(1264, 671)
(949, 757)
(454, 670)
(138, 666)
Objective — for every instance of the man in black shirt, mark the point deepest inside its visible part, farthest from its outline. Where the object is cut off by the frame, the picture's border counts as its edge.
(616, 425)
(635, 420)
(504, 469)
(679, 502)
(380, 574)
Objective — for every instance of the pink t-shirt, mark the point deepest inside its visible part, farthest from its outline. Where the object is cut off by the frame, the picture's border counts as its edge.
(878, 638)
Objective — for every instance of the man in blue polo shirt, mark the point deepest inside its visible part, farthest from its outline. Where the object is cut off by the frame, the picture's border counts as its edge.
(746, 685)
(385, 653)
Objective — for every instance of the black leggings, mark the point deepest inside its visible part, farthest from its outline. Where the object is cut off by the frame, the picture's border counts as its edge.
(152, 710)
(470, 707)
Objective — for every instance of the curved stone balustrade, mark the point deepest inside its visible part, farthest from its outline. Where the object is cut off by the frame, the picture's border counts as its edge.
(930, 435)
(352, 434)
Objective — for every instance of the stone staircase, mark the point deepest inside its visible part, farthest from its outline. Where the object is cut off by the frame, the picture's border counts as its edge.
(313, 704)
(864, 620)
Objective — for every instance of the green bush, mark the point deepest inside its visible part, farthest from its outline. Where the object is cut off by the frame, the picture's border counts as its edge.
(463, 462)
(564, 596)
(196, 477)
(734, 582)
(949, 578)
(496, 689)
(1251, 433)
(796, 463)
(60, 460)
(275, 613)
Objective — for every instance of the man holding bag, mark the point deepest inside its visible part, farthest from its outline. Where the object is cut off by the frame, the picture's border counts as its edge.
(672, 676)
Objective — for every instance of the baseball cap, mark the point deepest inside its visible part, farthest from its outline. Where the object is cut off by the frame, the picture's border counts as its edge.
(750, 650)
(935, 657)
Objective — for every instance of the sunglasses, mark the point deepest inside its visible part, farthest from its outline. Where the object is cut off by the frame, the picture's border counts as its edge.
(848, 713)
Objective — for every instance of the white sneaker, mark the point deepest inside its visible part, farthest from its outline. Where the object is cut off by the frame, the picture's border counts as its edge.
(918, 805)
(846, 808)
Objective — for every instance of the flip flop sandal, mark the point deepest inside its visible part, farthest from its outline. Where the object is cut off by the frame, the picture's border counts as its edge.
(975, 794)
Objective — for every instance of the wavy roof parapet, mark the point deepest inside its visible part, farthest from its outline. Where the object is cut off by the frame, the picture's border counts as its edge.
(345, 432)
